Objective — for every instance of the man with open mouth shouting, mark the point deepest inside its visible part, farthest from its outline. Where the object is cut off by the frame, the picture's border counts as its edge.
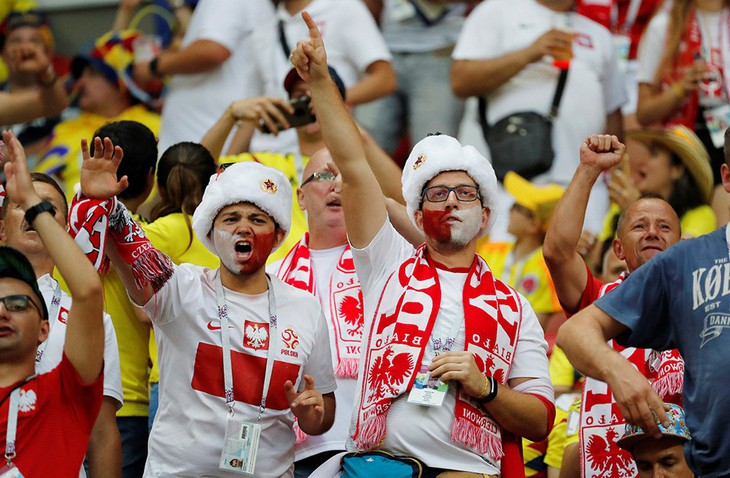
(239, 350)
(454, 361)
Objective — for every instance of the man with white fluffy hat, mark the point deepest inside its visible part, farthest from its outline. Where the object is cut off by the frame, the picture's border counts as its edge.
(239, 350)
(453, 360)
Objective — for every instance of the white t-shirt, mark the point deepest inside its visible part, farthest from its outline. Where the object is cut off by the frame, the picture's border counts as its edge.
(189, 429)
(353, 43)
(324, 262)
(416, 430)
(195, 102)
(594, 87)
(52, 348)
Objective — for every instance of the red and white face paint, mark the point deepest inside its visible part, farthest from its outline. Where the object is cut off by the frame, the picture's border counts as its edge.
(243, 255)
(243, 236)
(457, 226)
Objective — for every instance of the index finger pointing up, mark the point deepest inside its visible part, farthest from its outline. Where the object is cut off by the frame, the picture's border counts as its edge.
(312, 26)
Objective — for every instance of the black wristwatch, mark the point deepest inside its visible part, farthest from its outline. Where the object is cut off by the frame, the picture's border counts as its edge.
(32, 212)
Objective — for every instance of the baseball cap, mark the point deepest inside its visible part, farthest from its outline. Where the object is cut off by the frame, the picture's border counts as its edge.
(677, 428)
(14, 265)
(540, 200)
(292, 77)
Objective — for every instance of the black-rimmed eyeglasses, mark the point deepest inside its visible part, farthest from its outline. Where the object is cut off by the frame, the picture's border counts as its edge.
(18, 302)
(463, 192)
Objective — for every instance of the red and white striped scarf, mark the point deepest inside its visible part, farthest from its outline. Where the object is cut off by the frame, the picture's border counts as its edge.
(602, 423)
(343, 300)
(401, 329)
(92, 221)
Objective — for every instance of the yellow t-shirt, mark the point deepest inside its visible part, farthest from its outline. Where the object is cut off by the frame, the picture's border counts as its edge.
(565, 432)
(562, 371)
(62, 158)
(695, 222)
(133, 337)
(287, 164)
(530, 277)
(170, 234)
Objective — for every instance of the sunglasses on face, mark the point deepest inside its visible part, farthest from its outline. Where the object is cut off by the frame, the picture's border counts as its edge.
(325, 176)
(464, 193)
(17, 302)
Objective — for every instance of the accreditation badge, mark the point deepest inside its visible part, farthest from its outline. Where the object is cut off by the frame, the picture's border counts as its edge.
(240, 446)
(10, 471)
(622, 45)
(427, 391)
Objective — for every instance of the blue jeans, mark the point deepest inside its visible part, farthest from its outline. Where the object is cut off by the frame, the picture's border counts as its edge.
(134, 433)
(424, 102)
(154, 402)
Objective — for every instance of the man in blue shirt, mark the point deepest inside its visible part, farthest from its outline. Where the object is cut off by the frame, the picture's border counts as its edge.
(680, 299)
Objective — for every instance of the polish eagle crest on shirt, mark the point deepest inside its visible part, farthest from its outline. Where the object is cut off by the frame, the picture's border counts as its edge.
(27, 401)
(256, 335)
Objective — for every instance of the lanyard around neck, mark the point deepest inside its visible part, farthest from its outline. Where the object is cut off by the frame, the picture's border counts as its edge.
(12, 430)
(52, 316)
(226, 342)
(631, 15)
(12, 426)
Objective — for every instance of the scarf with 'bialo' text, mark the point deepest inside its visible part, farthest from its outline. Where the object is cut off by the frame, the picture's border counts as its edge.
(401, 329)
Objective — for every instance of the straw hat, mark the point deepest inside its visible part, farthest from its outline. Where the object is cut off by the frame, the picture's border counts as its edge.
(682, 141)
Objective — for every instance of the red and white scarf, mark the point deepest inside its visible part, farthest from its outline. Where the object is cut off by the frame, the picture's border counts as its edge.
(400, 332)
(92, 220)
(602, 423)
(343, 300)
(668, 368)
(690, 48)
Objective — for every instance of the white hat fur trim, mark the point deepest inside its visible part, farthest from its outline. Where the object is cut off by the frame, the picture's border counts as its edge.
(439, 153)
(251, 182)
